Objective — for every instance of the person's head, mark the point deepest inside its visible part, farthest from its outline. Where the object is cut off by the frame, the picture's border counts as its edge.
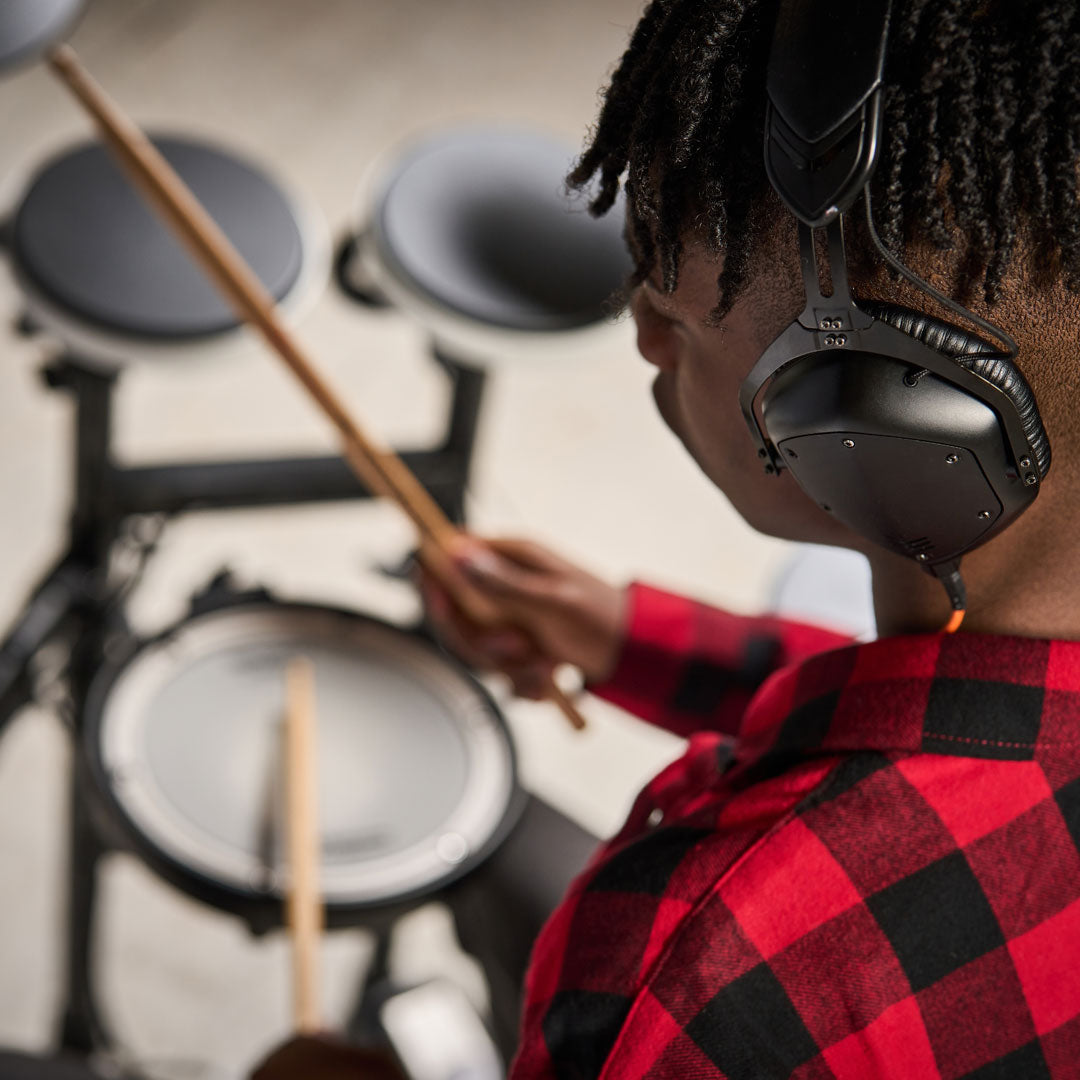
(976, 188)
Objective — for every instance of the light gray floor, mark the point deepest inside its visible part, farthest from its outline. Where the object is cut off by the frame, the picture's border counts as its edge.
(571, 453)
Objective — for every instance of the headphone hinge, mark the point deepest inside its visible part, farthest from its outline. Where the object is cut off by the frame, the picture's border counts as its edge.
(835, 311)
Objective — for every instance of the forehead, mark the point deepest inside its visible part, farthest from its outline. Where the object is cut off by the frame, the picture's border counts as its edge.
(697, 288)
(773, 287)
(773, 275)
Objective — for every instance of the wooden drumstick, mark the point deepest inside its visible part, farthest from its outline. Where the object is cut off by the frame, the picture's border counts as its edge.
(381, 470)
(304, 909)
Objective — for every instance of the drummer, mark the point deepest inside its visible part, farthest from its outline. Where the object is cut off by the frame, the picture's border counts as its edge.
(866, 863)
(875, 902)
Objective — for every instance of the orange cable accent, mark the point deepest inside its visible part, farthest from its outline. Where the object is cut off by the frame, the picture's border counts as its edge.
(954, 623)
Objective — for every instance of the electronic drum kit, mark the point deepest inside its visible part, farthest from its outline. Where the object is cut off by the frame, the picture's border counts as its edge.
(467, 233)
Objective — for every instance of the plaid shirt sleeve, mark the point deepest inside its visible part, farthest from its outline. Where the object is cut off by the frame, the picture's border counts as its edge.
(688, 667)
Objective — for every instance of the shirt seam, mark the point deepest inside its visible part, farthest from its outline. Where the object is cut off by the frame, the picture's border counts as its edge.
(987, 742)
(809, 752)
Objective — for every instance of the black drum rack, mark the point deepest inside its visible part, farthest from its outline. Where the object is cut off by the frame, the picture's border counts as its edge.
(79, 601)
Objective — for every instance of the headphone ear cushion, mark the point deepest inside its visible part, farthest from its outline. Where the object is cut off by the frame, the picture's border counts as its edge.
(980, 358)
(941, 336)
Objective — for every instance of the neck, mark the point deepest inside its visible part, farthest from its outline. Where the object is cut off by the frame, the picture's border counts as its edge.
(1020, 583)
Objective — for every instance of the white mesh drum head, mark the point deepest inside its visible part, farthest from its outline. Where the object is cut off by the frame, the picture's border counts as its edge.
(415, 767)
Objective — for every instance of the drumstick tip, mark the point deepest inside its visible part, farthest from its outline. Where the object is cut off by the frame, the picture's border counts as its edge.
(559, 697)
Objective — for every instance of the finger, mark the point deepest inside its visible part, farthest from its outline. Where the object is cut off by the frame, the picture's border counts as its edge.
(524, 554)
(506, 646)
(509, 581)
(445, 614)
(436, 600)
(499, 649)
(529, 554)
(531, 680)
(457, 642)
(479, 647)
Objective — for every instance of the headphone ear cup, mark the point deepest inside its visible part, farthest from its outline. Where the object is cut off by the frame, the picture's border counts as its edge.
(980, 358)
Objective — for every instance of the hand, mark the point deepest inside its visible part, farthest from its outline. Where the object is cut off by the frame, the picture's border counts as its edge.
(556, 613)
(319, 1057)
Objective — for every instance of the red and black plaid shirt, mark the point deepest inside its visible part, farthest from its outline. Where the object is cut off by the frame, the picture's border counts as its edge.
(879, 877)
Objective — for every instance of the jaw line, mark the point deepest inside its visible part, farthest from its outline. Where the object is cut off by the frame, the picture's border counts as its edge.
(662, 396)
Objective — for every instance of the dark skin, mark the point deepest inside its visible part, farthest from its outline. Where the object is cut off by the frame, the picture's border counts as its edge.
(1019, 583)
(323, 1057)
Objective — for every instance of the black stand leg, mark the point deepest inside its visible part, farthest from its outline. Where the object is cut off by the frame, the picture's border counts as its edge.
(363, 1025)
(44, 614)
(94, 527)
(468, 383)
(499, 909)
(82, 1028)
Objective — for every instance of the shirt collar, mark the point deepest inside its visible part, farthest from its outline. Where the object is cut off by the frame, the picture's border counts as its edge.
(974, 695)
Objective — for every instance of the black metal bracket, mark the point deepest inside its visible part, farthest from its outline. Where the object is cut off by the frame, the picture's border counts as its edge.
(74, 599)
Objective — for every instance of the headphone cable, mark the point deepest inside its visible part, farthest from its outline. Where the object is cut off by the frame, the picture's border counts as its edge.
(951, 305)
(948, 573)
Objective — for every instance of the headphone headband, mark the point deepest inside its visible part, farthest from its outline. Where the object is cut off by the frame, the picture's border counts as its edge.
(822, 130)
(914, 433)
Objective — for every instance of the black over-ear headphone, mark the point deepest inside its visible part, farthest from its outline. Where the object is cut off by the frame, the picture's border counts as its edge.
(917, 434)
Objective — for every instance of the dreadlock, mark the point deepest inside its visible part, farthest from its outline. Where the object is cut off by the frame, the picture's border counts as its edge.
(982, 135)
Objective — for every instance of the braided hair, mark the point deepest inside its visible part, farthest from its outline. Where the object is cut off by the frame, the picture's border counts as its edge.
(982, 136)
